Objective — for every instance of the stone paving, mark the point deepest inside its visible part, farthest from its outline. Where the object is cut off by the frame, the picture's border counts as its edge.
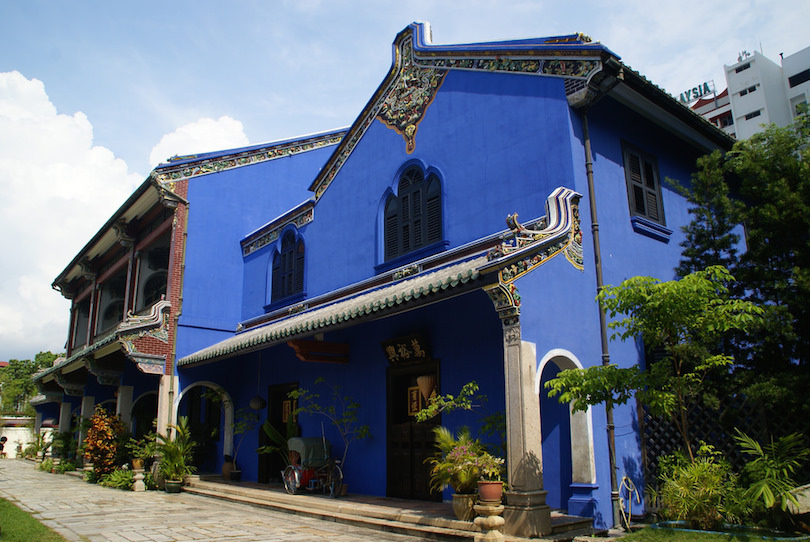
(87, 512)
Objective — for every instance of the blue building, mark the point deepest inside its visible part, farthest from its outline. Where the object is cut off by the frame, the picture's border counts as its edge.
(458, 231)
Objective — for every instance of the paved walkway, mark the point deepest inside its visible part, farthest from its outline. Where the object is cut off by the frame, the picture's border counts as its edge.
(86, 512)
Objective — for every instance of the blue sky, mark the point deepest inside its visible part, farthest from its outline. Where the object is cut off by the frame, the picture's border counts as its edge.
(93, 94)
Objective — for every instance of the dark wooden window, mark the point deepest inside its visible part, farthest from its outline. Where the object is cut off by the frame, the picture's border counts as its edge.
(413, 217)
(643, 186)
(288, 268)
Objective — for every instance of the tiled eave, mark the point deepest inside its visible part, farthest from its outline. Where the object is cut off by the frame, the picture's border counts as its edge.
(499, 258)
(448, 281)
(144, 199)
(186, 167)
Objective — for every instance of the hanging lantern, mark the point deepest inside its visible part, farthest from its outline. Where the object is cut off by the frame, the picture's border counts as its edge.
(258, 403)
(427, 385)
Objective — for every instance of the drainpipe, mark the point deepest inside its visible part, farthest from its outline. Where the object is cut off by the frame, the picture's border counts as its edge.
(600, 85)
(597, 260)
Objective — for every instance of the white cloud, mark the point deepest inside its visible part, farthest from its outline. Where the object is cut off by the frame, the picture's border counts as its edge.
(204, 135)
(56, 190)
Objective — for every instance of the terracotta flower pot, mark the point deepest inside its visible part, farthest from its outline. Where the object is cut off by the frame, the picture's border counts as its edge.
(490, 492)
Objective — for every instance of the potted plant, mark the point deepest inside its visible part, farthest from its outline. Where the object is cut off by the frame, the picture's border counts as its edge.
(490, 485)
(455, 466)
(142, 451)
(343, 412)
(175, 455)
(244, 422)
(278, 441)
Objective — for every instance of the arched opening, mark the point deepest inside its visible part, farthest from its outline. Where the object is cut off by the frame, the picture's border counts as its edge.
(144, 413)
(556, 431)
(568, 460)
(209, 409)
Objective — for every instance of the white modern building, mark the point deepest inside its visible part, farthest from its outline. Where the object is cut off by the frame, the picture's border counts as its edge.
(759, 92)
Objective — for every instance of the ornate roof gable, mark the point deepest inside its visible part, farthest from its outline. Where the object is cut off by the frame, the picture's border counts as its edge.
(419, 68)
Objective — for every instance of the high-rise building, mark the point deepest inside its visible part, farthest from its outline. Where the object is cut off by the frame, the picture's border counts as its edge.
(759, 92)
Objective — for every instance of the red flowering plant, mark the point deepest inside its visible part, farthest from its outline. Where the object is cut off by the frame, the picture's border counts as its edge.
(102, 441)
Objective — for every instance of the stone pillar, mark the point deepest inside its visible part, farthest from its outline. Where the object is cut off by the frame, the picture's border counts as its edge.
(168, 393)
(490, 522)
(64, 417)
(88, 407)
(38, 423)
(123, 407)
(526, 513)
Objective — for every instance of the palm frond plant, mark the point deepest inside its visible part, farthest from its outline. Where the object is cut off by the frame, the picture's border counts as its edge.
(176, 453)
(771, 474)
(455, 463)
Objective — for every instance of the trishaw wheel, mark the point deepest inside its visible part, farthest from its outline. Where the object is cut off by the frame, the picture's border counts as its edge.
(292, 479)
(335, 481)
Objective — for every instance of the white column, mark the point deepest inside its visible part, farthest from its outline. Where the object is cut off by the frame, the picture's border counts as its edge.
(64, 417)
(526, 512)
(123, 406)
(88, 407)
(168, 393)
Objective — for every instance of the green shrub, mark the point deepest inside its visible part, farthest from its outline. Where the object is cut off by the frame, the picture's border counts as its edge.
(697, 491)
(118, 479)
(65, 466)
(46, 465)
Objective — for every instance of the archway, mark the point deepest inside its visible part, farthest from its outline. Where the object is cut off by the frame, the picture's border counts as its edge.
(567, 441)
(211, 422)
(144, 413)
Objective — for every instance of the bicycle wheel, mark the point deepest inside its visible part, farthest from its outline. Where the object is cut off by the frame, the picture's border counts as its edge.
(335, 481)
(292, 479)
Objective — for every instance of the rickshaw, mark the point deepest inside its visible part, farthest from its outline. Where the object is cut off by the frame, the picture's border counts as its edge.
(312, 467)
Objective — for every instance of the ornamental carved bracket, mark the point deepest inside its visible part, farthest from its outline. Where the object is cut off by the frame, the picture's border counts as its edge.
(410, 95)
(72, 388)
(105, 376)
(121, 228)
(136, 323)
(153, 326)
(529, 246)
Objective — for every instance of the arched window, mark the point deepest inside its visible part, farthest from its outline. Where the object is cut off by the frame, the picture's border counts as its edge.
(155, 288)
(288, 268)
(413, 217)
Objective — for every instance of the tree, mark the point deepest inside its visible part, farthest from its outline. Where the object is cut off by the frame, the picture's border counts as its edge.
(16, 385)
(763, 183)
(710, 237)
(343, 411)
(774, 171)
(684, 321)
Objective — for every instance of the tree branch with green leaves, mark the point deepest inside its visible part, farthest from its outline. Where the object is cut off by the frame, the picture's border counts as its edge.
(684, 320)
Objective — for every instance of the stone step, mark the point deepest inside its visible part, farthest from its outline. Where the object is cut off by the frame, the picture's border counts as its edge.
(426, 520)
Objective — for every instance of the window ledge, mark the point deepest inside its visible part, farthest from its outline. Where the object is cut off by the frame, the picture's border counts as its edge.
(412, 256)
(650, 229)
(285, 301)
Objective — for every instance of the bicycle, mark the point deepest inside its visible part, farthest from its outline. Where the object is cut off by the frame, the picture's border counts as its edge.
(317, 468)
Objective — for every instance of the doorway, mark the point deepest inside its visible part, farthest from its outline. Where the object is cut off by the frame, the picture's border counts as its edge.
(279, 408)
(410, 443)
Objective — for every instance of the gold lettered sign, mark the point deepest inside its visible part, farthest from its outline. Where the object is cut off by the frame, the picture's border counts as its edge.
(414, 400)
(405, 350)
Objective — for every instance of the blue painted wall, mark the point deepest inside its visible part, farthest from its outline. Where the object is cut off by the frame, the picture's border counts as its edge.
(500, 143)
(223, 209)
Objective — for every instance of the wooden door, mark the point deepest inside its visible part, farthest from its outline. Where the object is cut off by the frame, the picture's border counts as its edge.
(271, 465)
(410, 443)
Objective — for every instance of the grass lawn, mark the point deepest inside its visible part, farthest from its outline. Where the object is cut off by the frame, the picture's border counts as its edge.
(669, 535)
(19, 526)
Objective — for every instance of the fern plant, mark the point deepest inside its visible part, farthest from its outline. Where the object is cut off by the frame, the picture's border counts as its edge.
(771, 474)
